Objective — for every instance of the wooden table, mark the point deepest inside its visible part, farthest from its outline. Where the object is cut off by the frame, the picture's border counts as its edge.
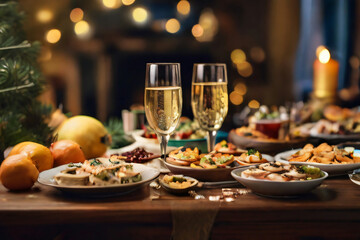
(332, 211)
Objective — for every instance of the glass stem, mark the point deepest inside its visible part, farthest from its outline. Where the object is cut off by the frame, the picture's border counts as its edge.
(211, 140)
(164, 139)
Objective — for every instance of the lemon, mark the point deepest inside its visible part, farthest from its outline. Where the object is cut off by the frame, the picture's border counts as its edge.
(88, 132)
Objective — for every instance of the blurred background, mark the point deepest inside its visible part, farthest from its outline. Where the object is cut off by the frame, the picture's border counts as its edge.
(94, 52)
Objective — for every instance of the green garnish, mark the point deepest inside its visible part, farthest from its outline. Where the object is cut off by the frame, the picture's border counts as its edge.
(115, 162)
(251, 151)
(95, 162)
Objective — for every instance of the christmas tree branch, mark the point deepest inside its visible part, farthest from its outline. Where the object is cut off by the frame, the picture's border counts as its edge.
(21, 45)
(17, 87)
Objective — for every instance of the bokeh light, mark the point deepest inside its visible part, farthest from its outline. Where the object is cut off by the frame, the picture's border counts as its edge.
(319, 49)
(210, 25)
(244, 69)
(53, 35)
(236, 98)
(140, 15)
(254, 104)
(324, 56)
(238, 56)
(354, 62)
(183, 7)
(44, 15)
(240, 88)
(45, 54)
(257, 54)
(197, 30)
(76, 15)
(112, 3)
(82, 28)
(172, 25)
(128, 2)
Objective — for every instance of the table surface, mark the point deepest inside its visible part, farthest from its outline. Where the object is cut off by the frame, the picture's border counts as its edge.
(331, 210)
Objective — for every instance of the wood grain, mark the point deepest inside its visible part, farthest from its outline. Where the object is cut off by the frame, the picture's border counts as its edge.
(332, 211)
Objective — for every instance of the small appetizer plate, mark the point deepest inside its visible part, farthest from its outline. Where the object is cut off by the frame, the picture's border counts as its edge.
(167, 187)
(276, 188)
(355, 176)
(332, 169)
(147, 173)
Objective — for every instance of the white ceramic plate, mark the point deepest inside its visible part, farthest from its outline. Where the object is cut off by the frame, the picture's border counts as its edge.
(332, 169)
(148, 174)
(277, 189)
(211, 175)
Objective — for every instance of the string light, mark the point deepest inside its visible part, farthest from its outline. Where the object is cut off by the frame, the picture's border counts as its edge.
(112, 3)
(240, 88)
(183, 7)
(236, 98)
(128, 2)
(82, 28)
(44, 15)
(140, 15)
(172, 25)
(76, 15)
(254, 104)
(53, 35)
(238, 56)
(197, 30)
(244, 69)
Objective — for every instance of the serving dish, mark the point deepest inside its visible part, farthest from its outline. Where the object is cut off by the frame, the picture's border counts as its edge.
(276, 188)
(148, 174)
(211, 175)
(185, 190)
(331, 169)
(264, 145)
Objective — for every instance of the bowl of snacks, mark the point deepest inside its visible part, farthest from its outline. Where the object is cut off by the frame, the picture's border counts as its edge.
(178, 184)
(213, 166)
(280, 179)
(329, 158)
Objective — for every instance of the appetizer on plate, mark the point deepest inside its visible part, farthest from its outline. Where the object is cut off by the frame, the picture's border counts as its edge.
(276, 171)
(214, 160)
(228, 147)
(251, 157)
(326, 154)
(138, 155)
(178, 181)
(183, 156)
(98, 172)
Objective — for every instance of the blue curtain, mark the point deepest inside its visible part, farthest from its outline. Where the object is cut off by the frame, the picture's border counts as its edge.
(328, 23)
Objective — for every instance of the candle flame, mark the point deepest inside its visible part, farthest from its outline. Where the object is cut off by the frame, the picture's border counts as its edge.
(324, 56)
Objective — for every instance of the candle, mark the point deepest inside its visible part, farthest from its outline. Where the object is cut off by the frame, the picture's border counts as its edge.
(326, 73)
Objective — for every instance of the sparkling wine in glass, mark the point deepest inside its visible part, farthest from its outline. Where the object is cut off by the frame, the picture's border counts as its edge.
(163, 99)
(209, 98)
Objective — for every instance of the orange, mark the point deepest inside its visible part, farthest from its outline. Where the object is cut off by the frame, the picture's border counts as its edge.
(17, 172)
(39, 154)
(66, 151)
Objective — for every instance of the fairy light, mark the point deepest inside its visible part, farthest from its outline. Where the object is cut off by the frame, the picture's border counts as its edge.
(183, 7)
(44, 15)
(140, 15)
(240, 88)
(113, 4)
(82, 28)
(254, 104)
(197, 30)
(128, 2)
(172, 25)
(244, 69)
(238, 56)
(236, 98)
(76, 15)
(53, 35)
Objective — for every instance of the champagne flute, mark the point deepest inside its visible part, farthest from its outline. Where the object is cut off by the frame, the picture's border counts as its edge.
(163, 99)
(209, 98)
